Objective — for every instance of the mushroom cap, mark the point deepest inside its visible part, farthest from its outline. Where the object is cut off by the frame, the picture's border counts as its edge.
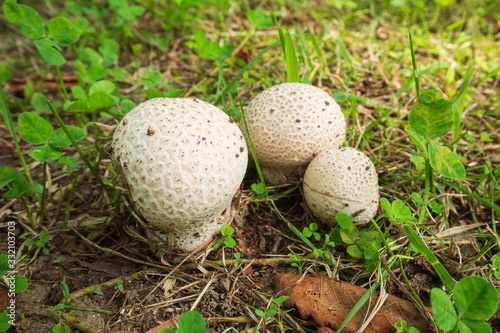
(182, 161)
(291, 123)
(342, 181)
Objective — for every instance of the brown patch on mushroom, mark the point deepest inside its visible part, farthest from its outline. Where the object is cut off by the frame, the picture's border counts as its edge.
(357, 213)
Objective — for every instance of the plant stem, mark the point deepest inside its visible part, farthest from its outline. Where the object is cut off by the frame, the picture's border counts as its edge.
(44, 184)
(414, 62)
(429, 173)
(80, 151)
(96, 136)
(10, 125)
(61, 82)
(28, 214)
(382, 237)
(66, 211)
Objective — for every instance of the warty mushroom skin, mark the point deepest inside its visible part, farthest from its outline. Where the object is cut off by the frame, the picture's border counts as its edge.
(182, 160)
(290, 124)
(342, 181)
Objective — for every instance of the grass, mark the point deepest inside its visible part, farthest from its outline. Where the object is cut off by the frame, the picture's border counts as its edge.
(359, 52)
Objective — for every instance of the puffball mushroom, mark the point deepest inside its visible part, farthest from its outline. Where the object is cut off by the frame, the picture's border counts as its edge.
(342, 181)
(291, 123)
(182, 160)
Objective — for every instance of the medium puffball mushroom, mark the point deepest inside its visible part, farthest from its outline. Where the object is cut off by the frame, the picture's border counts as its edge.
(342, 181)
(290, 124)
(182, 160)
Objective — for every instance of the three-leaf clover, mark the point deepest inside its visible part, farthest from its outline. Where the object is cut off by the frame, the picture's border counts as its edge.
(49, 38)
(475, 301)
(43, 240)
(40, 132)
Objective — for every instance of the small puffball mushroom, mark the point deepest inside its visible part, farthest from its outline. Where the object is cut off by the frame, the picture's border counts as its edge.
(342, 181)
(290, 124)
(182, 160)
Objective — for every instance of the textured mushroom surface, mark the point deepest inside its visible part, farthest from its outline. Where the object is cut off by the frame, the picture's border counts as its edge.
(290, 124)
(342, 181)
(182, 161)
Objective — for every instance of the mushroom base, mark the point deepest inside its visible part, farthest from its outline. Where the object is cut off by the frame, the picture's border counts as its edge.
(277, 175)
(162, 242)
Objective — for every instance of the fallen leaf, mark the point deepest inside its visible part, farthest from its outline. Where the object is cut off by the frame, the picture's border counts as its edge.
(329, 301)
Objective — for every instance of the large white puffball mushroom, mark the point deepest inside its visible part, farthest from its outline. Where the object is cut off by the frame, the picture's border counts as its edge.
(342, 181)
(182, 160)
(291, 123)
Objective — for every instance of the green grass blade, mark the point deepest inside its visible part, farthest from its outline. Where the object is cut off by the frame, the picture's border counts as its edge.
(464, 86)
(486, 247)
(456, 105)
(345, 55)
(281, 34)
(317, 48)
(292, 66)
(420, 245)
(414, 62)
(404, 87)
(366, 296)
(344, 52)
(472, 195)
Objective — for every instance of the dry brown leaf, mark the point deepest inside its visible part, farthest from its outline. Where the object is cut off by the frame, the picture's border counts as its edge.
(329, 301)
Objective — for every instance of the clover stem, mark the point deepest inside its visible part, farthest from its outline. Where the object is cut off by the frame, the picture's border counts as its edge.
(382, 236)
(42, 200)
(79, 150)
(65, 92)
(96, 137)
(28, 214)
(428, 186)
(66, 211)
(61, 82)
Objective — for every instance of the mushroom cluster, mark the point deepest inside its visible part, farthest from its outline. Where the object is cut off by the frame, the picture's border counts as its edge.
(295, 124)
(181, 160)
